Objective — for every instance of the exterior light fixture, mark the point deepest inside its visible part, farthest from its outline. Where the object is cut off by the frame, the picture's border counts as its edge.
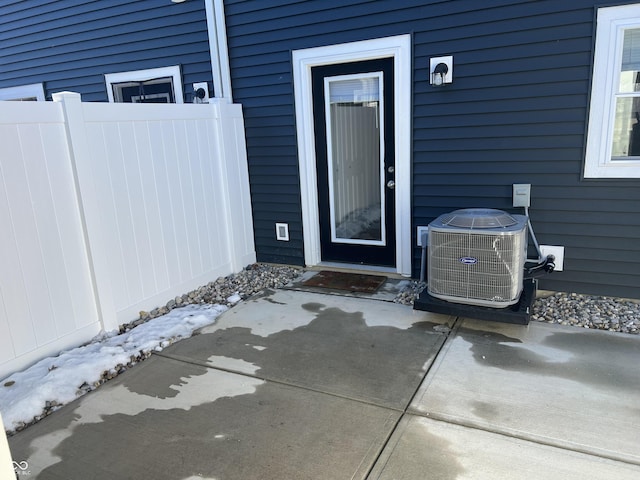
(441, 71)
(438, 74)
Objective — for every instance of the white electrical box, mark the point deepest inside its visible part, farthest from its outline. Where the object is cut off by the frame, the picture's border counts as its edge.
(556, 251)
(422, 232)
(521, 194)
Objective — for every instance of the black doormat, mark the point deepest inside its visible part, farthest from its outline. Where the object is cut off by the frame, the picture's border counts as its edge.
(352, 282)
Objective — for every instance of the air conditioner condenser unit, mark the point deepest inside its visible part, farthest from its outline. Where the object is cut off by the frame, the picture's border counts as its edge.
(477, 257)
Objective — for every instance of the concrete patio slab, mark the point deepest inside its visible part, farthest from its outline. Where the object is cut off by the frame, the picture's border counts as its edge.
(372, 351)
(166, 419)
(560, 386)
(294, 384)
(423, 448)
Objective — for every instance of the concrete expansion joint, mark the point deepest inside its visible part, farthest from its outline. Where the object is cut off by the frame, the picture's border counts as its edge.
(448, 335)
(546, 441)
(277, 382)
(504, 431)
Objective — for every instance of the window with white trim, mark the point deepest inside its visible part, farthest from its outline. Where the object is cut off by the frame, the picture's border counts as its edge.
(155, 85)
(25, 93)
(613, 138)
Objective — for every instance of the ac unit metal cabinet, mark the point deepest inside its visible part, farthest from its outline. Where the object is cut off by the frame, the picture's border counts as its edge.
(477, 256)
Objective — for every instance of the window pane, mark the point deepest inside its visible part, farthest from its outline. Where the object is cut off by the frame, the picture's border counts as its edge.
(354, 119)
(630, 68)
(159, 90)
(629, 81)
(626, 130)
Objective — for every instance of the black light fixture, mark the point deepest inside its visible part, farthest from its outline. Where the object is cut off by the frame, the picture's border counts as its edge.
(441, 71)
(438, 74)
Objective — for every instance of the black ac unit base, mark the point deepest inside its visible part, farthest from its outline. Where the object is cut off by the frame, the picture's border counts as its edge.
(519, 313)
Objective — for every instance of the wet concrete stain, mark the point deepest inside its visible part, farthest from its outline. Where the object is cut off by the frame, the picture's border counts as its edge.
(497, 350)
(156, 384)
(577, 356)
(274, 428)
(485, 410)
(268, 434)
(424, 455)
(594, 353)
(263, 294)
(336, 352)
(313, 307)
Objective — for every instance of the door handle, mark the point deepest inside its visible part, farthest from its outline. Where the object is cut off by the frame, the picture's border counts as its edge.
(391, 184)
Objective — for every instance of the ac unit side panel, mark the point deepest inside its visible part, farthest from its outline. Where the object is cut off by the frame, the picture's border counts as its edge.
(476, 267)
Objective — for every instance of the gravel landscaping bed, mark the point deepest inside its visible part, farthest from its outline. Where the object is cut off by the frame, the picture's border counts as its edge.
(586, 311)
(252, 279)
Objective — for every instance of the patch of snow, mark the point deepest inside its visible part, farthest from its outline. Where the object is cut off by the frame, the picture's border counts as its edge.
(58, 380)
(233, 299)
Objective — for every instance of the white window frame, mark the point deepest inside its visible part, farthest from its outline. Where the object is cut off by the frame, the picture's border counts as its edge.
(145, 75)
(23, 92)
(611, 23)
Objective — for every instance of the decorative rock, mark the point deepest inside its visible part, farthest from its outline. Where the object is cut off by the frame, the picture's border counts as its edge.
(604, 313)
(253, 278)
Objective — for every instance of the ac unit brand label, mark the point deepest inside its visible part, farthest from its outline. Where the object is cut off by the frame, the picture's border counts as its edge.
(468, 260)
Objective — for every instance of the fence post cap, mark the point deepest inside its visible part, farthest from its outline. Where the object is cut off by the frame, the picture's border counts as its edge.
(60, 96)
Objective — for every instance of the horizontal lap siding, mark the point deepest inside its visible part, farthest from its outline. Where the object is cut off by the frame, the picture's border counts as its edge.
(516, 113)
(70, 45)
(261, 36)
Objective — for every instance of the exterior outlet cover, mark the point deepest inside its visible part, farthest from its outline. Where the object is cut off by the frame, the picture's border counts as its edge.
(557, 252)
(282, 232)
(205, 87)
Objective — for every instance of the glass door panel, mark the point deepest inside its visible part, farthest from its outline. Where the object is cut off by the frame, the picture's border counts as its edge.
(355, 149)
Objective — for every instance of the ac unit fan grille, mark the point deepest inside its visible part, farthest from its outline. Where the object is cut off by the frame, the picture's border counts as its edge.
(481, 268)
(478, 218)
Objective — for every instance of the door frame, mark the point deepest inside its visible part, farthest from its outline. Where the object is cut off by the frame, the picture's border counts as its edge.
(398, 47)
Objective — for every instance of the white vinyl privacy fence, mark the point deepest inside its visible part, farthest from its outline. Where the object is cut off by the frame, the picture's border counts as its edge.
(109, 209)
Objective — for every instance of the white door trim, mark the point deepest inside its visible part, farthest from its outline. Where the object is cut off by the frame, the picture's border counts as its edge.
(398, 47)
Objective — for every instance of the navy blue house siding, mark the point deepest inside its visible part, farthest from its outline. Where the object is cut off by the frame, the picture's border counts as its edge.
(516, 113)
(70, 45)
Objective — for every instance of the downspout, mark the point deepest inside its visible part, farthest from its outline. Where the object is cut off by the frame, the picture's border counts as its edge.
(217, 33)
